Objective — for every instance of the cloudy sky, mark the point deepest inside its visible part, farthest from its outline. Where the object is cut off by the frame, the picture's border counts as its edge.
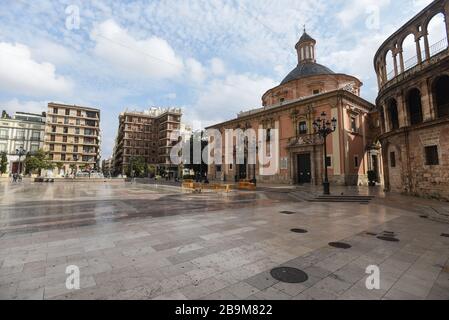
(213, 58)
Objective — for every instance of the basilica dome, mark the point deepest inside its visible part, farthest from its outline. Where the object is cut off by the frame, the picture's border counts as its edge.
(306, 69)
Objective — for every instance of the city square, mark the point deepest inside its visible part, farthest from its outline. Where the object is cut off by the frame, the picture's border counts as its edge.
(211, 157)
(147, 241)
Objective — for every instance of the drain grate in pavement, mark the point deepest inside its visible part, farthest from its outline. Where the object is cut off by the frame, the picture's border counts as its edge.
(424, 217)
(371, 234)
(446, 235)
(299, 230)
(289, 275)
(287, 212)
(389, 238)
(340, 245)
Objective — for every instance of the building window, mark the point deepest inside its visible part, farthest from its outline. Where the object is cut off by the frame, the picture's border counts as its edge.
(329, 161)
(67, 112)
(75, 148)
(55, 110)
(3, 133)
(52, 147)
(431, 155)
(64, 139)
(392, 159)
(353, 124)
(63, 157)
(52, 138)
(218, 168)
(77, 130)
(356, 161)
(64, 148)
(281, 100)
(34, 148)
(66, 120)
(268, 138)
(66, 130)
(303, 127)
(230, 166)
(54, 119)
(316, 91)
(78, 122)
(20, 134)
(3, 147)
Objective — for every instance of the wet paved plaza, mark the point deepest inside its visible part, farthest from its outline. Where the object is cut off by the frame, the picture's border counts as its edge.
(136, 241)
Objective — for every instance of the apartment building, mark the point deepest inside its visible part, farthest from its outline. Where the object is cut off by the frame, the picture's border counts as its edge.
(72, 136)
(23, 131)
(146, 134)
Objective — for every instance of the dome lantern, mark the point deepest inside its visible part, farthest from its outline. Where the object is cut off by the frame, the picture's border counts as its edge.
(306, 48)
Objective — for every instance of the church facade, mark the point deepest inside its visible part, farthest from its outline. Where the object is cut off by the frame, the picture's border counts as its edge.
(307, 92)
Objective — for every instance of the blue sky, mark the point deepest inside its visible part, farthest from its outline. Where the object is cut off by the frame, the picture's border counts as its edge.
(213, 58)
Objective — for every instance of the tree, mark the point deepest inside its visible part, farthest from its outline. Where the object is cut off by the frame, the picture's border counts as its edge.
(37, 162)
(5, 115)
(137, 167)
(59, 165)
(73, 168)
(3, 163)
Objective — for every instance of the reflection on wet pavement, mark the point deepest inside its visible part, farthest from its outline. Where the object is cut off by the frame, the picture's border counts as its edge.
(135, 241)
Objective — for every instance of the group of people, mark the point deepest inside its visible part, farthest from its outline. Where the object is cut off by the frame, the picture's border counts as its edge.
(16, 177)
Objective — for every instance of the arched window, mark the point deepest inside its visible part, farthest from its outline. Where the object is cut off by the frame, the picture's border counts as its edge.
(389, 65)
(414, 106)
(441, 95)
(437, 34)
(393, 113)
(409, 52)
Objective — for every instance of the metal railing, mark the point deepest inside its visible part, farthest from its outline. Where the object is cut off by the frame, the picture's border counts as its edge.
(412, 62)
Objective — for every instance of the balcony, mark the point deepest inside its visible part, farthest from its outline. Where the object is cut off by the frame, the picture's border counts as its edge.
(305, 140)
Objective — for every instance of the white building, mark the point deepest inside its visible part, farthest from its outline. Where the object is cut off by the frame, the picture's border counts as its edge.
(23, 130)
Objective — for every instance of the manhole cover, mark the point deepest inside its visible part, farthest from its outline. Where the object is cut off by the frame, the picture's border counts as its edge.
(340, 245)
(289, 275)
(287, 212)
(446, 235)
(391, 239)
(299, 230)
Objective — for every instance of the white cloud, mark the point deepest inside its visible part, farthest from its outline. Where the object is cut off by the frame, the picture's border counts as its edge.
(21, 74)
(15, 105)
(355, 9)
(217, 66)
(222, 99)
(152, 57)
(195, 70)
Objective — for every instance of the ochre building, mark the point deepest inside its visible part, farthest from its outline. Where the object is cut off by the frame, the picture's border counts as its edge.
(307, 91)
(72, 137)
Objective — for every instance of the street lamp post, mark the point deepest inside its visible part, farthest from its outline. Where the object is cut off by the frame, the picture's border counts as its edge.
(20, 152)
(323, 128)
(254, 180)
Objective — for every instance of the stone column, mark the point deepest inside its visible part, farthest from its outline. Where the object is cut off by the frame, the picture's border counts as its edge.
(402, 111)
(387, 117)
(426, 45)
(395, 62)
(401, 60)
(418, 50)
(446, 19)
(426, 101)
